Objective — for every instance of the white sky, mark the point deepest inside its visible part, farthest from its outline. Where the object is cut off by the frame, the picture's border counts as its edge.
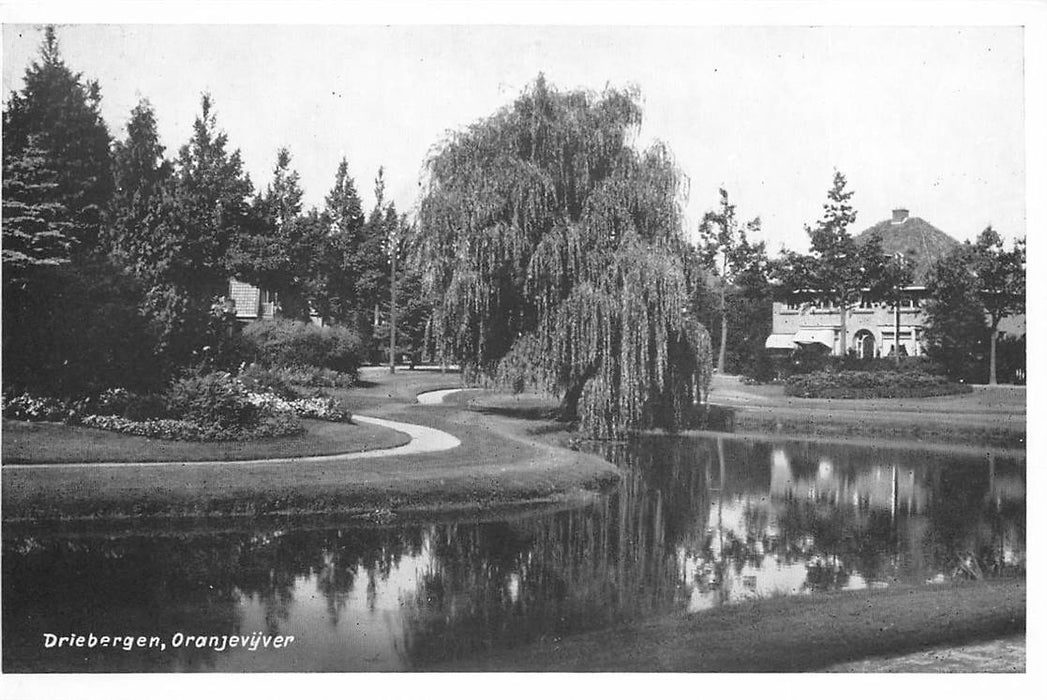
(928, 118)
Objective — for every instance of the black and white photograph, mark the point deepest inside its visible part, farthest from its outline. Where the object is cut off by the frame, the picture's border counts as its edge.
(583, 338)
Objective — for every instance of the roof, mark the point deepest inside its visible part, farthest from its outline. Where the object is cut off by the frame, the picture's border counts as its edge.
(916, 239)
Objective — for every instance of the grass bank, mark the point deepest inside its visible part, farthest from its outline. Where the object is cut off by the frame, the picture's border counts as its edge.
(55, 443)
(988, 416)
(783, 634)
(499, 463)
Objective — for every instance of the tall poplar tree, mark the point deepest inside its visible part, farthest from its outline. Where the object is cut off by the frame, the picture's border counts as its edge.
(555, 250)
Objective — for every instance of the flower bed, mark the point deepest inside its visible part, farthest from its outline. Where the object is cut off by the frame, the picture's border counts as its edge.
(36, 408)
(202, 407)
(172, 429)
(320, 407)
(867, 385)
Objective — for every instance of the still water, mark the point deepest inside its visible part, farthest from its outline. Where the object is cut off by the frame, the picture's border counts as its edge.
(696, 523)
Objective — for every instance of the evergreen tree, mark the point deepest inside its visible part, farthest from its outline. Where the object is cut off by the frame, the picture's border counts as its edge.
(35, 224)
(837, 272)
(276, 251)
(175, 225)
(140, 204)
(212, 198)
(335, 285)
(57, 115)
(556, 252)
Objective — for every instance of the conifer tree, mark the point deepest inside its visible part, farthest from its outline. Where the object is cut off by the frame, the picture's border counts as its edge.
(57, 114)
(838, 271)
(35, 224)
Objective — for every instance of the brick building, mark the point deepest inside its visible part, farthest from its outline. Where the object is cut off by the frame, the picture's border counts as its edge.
(871, 327)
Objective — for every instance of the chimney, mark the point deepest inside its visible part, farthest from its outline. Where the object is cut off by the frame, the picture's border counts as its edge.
(898, 216)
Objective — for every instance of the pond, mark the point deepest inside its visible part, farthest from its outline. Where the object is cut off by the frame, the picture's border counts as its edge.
(697, 522)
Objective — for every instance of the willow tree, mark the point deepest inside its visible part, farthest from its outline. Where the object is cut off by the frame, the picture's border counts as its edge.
(555, 250)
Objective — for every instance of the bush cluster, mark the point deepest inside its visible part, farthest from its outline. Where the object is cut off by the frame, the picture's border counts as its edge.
(209, 406)
(852, 384)
(282, 380)
(773, 366)
(216, 398)
(286, 343)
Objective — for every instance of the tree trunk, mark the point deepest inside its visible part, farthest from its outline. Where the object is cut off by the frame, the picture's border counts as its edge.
(992, 354)
(898, 332)
(392, 313)
(569, 403)
(843, 328)
(723, 327)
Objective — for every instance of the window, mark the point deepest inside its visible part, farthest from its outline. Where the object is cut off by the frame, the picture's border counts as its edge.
(909, 301)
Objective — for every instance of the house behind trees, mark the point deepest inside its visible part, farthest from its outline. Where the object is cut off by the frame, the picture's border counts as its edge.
(872, 326)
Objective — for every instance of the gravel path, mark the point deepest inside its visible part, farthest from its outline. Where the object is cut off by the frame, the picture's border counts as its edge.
(423, 439)
(999, 656)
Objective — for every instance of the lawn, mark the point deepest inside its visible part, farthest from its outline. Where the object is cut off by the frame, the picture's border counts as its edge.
(54, 443)
(789, 634)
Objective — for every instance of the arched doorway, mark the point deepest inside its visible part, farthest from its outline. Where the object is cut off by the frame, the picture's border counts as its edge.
(865, 344)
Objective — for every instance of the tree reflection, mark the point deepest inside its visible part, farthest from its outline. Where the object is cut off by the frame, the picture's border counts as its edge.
(695, 522)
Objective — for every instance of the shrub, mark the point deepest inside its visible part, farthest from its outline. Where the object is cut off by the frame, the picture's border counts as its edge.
(77, 329)
(259, 379)
(851, 384)
(285, 343)
(216, 398)
(318, 377)
(282, 380)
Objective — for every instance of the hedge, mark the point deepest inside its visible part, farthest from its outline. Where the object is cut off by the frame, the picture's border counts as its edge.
(285, 343)
(867, 385)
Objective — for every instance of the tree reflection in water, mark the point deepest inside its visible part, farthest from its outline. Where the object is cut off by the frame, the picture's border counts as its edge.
(696, 522)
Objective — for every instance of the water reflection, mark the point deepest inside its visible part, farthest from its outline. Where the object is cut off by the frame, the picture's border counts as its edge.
(696, 523)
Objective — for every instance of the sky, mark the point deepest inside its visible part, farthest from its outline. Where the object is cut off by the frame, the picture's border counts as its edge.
(922, 117)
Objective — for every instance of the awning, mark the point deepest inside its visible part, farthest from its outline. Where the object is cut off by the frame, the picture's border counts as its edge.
(809, 336)
(783, 341)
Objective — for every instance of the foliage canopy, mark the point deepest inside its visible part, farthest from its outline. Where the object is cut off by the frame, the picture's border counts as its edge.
(556, 249)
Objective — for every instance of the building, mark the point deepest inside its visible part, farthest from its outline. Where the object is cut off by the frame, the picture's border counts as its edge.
(871, 327)
(251, 303)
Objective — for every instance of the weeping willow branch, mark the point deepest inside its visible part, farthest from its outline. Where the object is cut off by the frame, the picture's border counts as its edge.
(556, 249)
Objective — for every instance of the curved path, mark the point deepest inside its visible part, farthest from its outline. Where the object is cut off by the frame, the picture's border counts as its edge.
(434, 398)
(423, 439)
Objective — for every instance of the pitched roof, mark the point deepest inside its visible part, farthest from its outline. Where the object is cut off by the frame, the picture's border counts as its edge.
(914, 238)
